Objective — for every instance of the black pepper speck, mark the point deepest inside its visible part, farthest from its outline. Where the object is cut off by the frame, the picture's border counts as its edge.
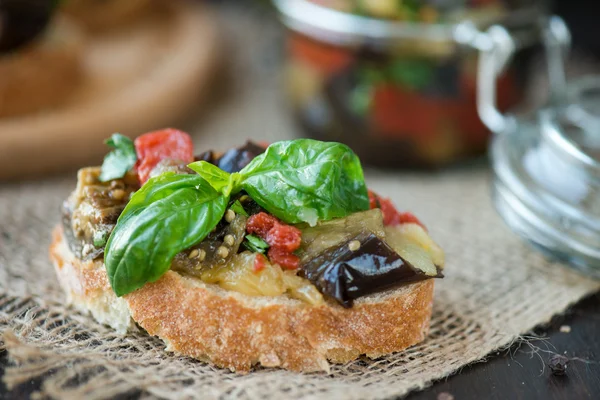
(558, 365)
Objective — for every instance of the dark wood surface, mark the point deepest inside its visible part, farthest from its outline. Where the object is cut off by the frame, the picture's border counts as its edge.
(522, 372)
(518, 373)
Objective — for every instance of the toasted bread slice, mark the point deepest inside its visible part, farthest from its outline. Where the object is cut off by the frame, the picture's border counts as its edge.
(238, 331)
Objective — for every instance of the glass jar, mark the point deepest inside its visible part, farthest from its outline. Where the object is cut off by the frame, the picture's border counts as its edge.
(397, 83)
(547, 165)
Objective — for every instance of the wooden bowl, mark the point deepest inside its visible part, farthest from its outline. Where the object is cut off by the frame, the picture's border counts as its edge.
(137, 79)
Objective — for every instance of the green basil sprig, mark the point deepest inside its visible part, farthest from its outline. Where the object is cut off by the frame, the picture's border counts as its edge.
(238, 208)
(297, 181)
(255, 244)
(120, 160)
(306, 180)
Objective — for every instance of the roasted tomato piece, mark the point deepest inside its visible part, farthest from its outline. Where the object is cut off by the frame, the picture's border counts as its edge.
(261, 223)
(285, 259)
(391, 216)
(153, 147)
(283, 239)
(259, 263)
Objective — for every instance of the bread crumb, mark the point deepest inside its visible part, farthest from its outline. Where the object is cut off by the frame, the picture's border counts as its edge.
(565, 329)
(445, 396)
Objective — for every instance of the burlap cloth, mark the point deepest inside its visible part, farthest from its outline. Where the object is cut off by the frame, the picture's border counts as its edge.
(496, 288)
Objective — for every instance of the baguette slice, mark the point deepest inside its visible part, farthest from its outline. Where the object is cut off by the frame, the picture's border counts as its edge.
(237, 331)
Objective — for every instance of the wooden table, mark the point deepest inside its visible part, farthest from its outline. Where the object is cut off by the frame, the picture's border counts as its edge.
(518, 373)
(513, 374)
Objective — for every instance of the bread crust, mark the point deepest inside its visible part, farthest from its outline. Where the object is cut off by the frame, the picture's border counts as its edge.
(237, 331)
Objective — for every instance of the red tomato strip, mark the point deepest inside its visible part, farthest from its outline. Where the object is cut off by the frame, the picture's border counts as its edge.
(259, 262)
(283, 258)
(391, 216)
(283, 239)
(260, 224)
(153, 147)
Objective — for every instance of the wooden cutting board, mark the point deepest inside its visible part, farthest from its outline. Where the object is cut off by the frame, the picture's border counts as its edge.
(137, 79)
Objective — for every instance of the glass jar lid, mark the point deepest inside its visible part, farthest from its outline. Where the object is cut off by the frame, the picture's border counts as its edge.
(547, 181)
(547, 165)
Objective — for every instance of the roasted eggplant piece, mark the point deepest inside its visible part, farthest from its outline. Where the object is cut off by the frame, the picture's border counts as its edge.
(330, 234)
(360, 266)
(411, 241)
(91, 212)
(236, 159)
(208, 156)
(218, 248)
(240, 275)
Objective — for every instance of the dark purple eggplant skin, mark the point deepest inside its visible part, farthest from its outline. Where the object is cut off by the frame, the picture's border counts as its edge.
(208, 156)
(345, 275)
(22, 21)
(236, 159)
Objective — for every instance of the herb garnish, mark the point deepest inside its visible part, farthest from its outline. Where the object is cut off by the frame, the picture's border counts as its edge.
(297, 181)
(238, 208)
(255, 244)
(120, 160)
(167, 215)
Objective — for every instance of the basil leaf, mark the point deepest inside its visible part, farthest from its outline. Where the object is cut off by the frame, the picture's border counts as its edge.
(216, 177)
(120, 160)
(238, 208)
(167, 215)
(307, 180)
(255, 244)
(220, 180)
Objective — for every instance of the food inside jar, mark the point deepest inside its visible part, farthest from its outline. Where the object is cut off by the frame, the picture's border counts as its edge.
(407, 106)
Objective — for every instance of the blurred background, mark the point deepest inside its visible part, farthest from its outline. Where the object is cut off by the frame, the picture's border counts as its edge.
(387, 77)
